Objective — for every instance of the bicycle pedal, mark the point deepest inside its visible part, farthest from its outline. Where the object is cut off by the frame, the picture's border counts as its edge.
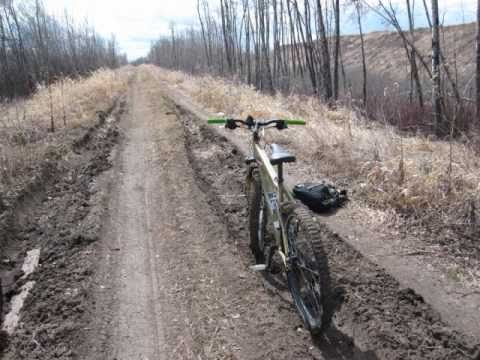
(258, 267)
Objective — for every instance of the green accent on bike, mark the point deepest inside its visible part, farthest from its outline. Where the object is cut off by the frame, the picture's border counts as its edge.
(216, 121)
(296, 122)
(278, 228)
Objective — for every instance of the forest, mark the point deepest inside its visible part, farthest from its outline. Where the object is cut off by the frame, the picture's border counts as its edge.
(294, 46)
(36, 49)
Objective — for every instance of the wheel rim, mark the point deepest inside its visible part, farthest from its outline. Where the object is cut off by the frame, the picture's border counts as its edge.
(261, 232)
(303, 282)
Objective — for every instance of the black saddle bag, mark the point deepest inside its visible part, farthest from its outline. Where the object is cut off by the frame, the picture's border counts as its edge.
(320, 197)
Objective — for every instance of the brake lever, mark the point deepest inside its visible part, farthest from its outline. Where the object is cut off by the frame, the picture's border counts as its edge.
(231, 124)
(281, 125)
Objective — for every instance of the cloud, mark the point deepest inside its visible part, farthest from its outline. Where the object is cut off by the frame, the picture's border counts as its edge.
(134, 23)
(137, 23)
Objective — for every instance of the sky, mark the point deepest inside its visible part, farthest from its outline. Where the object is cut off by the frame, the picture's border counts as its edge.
(136, 23)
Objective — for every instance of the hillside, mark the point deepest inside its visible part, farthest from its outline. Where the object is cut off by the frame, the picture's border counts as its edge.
(387, 62)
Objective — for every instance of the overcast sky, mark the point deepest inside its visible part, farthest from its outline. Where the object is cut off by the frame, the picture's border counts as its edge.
(137, 22)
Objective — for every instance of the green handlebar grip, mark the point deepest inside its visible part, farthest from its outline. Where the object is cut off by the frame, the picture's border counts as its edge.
(296, 122)
(216, 121)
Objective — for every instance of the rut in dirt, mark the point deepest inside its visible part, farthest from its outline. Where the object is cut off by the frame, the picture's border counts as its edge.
(162, 270)
(57, 218)
(176, 286)
(367, 305)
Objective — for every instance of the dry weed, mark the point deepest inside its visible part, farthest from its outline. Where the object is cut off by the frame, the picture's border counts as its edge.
(25, 137)
(413, 175)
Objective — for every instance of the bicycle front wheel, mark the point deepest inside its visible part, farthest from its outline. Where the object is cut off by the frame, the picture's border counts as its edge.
(257, 219)
(304, 273)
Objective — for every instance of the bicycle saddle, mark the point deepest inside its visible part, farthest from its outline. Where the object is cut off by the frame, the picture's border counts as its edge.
(280, 155)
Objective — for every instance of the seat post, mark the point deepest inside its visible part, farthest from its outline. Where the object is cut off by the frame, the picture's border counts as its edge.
(280, 173)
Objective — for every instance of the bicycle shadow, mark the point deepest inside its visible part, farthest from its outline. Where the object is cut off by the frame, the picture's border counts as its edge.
(334, 344)
(333, 297)
(4, 342)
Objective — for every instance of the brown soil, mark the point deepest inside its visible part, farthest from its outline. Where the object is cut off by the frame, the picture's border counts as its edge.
(445, 276)
(58, 212)
(368, 306)
(164, 275)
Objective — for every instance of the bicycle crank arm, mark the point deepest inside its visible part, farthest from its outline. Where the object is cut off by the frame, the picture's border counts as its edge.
(284, 259)
(268, 264)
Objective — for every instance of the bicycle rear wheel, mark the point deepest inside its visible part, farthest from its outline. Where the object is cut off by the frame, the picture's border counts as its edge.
(304, 273)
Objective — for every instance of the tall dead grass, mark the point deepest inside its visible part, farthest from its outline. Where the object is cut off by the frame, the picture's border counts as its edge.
(25, 125)
(414, 175)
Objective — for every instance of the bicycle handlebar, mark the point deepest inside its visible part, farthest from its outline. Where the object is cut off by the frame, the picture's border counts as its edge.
(216, 121)
(232, 123)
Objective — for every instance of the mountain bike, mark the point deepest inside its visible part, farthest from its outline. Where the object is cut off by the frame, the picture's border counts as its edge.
(280, 227)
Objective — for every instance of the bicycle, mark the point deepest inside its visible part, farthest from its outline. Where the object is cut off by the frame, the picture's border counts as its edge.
(279, 226)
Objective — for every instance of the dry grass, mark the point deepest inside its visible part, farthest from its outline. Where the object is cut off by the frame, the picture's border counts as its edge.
(413, 175)
(25, 139)
(385, 55)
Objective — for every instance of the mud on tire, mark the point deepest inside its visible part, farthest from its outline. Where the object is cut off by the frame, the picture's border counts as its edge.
(308, 269)
(256, 217)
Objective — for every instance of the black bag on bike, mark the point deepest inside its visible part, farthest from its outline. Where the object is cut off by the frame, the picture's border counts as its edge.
(320, 197)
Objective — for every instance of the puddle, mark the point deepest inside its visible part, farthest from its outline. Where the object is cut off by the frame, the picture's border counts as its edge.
(13, 317)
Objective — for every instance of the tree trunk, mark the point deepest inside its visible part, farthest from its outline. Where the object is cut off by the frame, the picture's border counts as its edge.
(364, 63)
(326, 75)
(226, 35)
(204, 37)
(478, 64)
(413, 61)
(337, 49)
(436, 96)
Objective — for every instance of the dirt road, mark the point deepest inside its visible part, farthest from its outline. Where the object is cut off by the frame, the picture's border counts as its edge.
(173, 283)
(162, 270)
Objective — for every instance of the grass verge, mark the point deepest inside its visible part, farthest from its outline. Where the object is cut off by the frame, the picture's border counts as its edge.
(434, 182)
(26, 136)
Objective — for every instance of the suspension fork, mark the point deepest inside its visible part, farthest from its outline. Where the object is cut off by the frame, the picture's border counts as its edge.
(252, 167)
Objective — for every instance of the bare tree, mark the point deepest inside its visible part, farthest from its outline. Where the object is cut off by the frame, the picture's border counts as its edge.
(358, 5)
(296, 45)
(326, 74)
(477, 74)
(414, 77)
(436, 85)
(337, 48)
(38, 48)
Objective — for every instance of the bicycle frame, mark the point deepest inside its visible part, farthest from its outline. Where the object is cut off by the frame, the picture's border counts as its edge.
(273, 198)
(279, 199)
(278, 196)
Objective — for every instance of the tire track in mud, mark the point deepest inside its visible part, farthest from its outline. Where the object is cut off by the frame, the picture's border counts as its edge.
(61, 215)
(206, 305)
(374, 318)
(220, 172)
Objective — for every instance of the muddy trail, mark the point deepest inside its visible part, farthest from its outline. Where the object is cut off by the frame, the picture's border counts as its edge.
(368, 308)
(56, 218)
(157, 264)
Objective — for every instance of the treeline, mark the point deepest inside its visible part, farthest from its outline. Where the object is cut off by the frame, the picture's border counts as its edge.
(295, 45)
(37, 48)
